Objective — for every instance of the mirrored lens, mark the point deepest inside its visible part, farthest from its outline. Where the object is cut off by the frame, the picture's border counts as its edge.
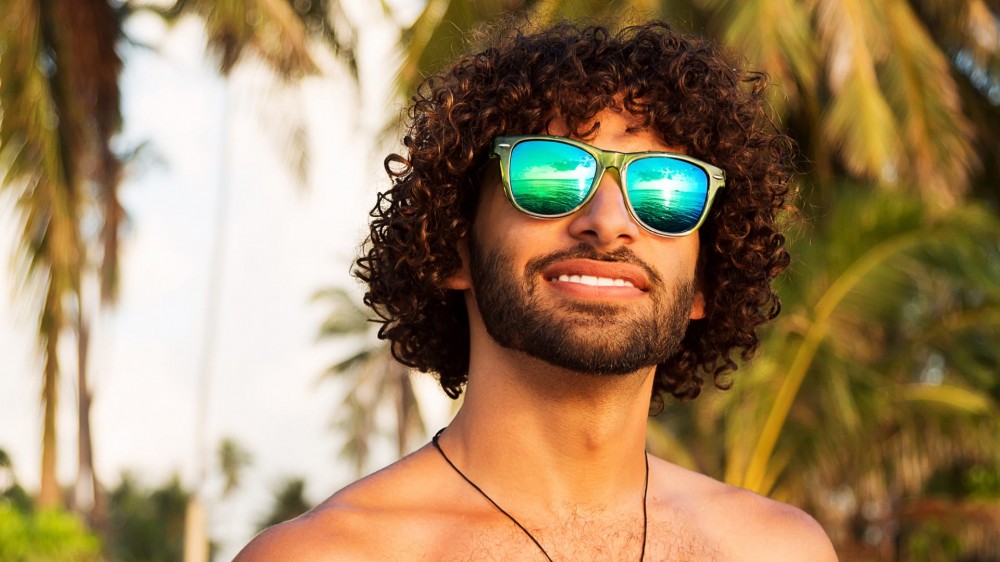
(549, 177)
(667, 194)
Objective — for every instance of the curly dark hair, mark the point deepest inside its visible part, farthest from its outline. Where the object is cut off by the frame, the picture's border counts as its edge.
(683, 88)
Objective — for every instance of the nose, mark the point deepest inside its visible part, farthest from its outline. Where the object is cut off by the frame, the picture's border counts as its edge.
(605, 221)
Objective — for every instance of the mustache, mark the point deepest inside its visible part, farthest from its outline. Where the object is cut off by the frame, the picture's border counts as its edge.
(585, 251)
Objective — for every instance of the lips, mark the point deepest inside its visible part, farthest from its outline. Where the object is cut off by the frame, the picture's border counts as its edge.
(597, 274)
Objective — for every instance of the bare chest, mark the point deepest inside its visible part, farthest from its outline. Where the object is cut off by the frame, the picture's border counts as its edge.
(666, 540)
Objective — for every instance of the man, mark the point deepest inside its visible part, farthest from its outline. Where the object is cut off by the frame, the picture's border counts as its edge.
(584, 220)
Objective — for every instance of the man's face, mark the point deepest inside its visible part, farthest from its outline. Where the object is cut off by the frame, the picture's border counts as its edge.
(592, 292)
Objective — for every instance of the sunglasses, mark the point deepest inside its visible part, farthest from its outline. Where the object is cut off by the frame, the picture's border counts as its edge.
(668, 194)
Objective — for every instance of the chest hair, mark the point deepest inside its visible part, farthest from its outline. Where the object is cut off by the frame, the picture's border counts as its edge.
(670, 538)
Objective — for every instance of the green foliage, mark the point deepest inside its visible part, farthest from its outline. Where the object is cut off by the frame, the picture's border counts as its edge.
(874, 310)
(972, 480)
(17, 498)
(879, 378)
(289, 503)
(44, 536)
(146, 525)
(875, 382)
(931, 543)
(982, 482)
(13, 495)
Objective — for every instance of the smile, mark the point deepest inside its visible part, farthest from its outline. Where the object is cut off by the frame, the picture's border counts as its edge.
(592, 281)
(589, 274)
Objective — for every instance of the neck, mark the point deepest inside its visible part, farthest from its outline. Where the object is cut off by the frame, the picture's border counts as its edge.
(550, 437)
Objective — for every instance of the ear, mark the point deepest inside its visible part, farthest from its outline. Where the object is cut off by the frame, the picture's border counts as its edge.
(698, 305)
(461, 279)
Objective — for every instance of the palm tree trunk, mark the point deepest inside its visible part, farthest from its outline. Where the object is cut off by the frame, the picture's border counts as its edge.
(48, 494)
(88, 489)
(196, 548)
(196, 545)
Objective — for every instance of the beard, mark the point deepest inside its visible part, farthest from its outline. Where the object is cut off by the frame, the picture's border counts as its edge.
(586, 337)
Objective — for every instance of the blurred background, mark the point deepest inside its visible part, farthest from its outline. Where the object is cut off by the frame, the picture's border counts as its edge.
(184, 359)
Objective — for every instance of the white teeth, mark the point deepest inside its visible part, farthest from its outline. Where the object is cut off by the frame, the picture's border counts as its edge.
(593, 281)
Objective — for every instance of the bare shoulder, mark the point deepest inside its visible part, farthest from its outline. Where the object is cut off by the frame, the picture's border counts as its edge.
(766, 529)
(313, 536)
(743, 525)
(364, 521)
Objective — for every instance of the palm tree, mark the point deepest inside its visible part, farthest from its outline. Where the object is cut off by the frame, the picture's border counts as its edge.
(233, 459)
(870, 88)
(60, 100)
(60, 103)
(878, 377)
(281, 34)
(146, 523)
(377, 380)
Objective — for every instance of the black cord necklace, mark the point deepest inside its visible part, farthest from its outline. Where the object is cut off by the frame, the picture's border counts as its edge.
(645, 489)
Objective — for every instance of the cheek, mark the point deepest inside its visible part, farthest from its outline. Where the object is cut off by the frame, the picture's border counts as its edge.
(681, 255)
(499, 225)
(490, 210)
(678, 265)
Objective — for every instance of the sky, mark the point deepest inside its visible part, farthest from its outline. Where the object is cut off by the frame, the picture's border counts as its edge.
(280, 243)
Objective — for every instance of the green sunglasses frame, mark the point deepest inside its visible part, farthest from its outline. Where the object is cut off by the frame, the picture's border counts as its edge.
(503, 146)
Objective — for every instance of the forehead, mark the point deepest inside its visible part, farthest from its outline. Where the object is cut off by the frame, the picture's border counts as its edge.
(610, 129)
(613, 129)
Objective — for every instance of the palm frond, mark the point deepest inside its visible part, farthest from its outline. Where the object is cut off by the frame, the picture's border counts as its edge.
(436, 35)
(857, 290)
(544, 12)
(800, 365)
(859, 122)
(376, 382)
(965, 25)
(233, 458)
(351, 362)
(270, 29)
(936, 133)
(45, 118)
(963, 400)
(346, 317)
(776, 37)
